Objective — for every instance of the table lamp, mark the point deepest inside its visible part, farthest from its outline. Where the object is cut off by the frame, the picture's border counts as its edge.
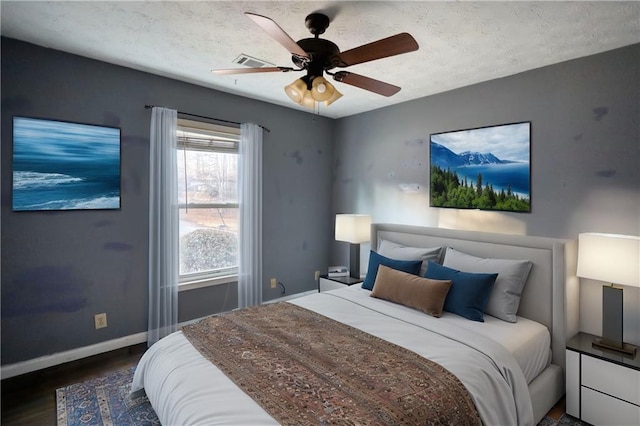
(616, 260)
(354, 229)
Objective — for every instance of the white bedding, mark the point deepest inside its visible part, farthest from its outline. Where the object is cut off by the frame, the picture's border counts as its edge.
(186, 389)
(528, 341)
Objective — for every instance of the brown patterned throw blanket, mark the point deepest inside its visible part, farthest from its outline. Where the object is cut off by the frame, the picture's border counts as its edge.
(307, 369)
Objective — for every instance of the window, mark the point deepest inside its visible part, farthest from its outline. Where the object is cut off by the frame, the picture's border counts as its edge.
(208, 200)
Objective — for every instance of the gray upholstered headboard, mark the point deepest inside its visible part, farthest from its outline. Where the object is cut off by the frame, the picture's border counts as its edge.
(551, 294)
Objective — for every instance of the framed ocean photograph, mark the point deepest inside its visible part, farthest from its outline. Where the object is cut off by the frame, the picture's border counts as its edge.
(486, 168)
(60, 165)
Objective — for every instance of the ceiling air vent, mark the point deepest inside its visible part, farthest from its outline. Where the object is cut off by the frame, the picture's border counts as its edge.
(251, 62)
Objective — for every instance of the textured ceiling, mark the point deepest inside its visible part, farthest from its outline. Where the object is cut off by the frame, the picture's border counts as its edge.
(461, 43)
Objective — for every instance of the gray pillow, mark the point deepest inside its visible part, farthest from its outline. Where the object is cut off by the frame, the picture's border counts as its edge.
(512, 276)
(399, 252)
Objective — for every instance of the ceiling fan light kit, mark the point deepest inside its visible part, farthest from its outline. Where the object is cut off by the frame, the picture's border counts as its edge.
(307, 94)
(317, 56)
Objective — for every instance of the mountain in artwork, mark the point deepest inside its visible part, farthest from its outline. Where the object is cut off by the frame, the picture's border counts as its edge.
(443, 157)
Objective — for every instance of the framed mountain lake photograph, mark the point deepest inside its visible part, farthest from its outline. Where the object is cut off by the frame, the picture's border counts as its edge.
(485, 168)
(60, 165)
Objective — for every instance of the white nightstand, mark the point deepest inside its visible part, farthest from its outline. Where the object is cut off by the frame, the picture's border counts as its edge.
(325, 283)
(603, 387)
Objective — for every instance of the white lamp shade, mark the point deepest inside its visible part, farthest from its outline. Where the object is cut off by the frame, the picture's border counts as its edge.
(609, 257)
(353, 228)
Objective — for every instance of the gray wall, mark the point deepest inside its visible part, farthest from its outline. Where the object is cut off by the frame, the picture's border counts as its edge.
(61, 268)
(585, 158)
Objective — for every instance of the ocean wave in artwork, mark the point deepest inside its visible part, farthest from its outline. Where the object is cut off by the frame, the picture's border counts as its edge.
(101, 202)
(32, 180)
(59, 191)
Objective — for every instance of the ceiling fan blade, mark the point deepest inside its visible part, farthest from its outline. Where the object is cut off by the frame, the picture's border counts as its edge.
(390, 46)
(250, 70)
(274, 30)
(366, 83)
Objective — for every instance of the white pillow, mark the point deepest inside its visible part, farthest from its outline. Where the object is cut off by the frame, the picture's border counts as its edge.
(399, 252)
(512, 276)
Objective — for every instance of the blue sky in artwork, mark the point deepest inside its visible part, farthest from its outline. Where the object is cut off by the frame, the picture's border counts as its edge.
(507, 142)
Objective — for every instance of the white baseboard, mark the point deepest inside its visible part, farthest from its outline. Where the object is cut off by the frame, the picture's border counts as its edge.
(46, 361)
(23, 367)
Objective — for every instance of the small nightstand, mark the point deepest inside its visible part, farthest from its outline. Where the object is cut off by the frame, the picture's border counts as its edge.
(603, 387)
(325, 283)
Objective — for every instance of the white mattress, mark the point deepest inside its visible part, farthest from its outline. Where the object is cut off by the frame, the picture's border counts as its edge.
(185, 388)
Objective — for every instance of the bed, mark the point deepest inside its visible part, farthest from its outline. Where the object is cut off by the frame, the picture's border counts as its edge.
(513, 372)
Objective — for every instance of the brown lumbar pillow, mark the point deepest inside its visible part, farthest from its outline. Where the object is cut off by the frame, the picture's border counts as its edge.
(425, 294)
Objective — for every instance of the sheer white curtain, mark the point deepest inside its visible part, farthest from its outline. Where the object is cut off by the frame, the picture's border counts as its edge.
(250, 200)
(163, 226)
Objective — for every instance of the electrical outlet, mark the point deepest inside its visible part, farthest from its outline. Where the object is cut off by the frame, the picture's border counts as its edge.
(100, 320)
(274, 283)
(317, 275)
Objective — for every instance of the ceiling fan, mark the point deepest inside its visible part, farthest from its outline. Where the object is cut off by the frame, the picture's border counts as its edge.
(317, 56)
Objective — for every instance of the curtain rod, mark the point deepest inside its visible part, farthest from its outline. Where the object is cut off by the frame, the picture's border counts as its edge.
(209, 118)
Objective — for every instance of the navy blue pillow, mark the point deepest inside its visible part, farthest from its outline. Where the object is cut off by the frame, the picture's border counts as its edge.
(375, 260)
(469, 292)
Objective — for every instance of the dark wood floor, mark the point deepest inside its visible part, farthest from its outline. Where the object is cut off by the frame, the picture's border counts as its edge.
(30, 399)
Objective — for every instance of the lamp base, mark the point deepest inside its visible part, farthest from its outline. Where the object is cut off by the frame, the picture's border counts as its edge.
(354, 260)
(627, 348)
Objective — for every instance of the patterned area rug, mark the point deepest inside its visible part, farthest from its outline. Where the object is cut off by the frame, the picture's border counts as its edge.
(105, 401)
(565, 420)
